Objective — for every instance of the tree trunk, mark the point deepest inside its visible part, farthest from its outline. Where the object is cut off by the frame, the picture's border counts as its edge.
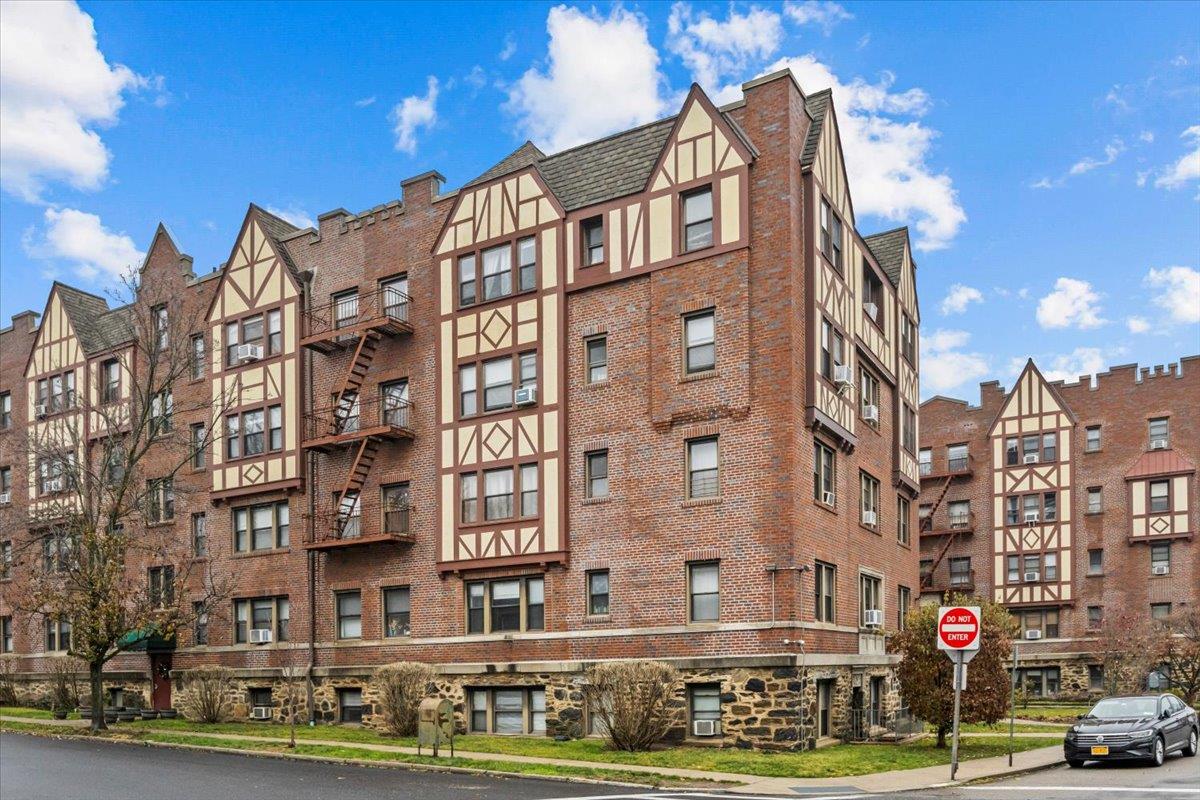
(96, 676)
(941, 742)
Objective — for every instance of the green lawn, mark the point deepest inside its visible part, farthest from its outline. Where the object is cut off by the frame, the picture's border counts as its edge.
(1002, 727)
(1054, 713)
(31, 713)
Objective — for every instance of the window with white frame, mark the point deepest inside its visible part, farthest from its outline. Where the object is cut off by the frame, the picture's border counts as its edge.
(1160, 557)
(269, 614)
(506, 605)
(870, 596)
(596, 354)
(1160, 432)
(1095, 500)
(699, 342)
(825, 580)
(703, 468)
(1160, 496)
(869, 493)
(704, 592)
(824, 477)
(697, 219)
(349, 614)
(507, 710)
(595, 465)
(261, 527)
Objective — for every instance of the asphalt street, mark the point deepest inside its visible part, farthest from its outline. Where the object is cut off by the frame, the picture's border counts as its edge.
(35, 768)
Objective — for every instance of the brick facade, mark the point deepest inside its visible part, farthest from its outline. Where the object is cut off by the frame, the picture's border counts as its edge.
(762, 402)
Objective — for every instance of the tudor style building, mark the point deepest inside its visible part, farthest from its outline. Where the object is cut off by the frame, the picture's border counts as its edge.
(1065, 503)
(651, 397)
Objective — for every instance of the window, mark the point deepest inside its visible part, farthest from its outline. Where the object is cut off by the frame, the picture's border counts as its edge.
(1049, 447)
(497, 384)
(466, 280)
(1096, 677)
(597, 592)
(468, 402)
(57, 548)
(1013, 568)
(162, 408)
(271, 614)
(1039, 681)
(957, 458)
(345, 310)
(702, 469)
(1092, 434)
(824, 707)
(246, 434)
(58, 635)
(350, 705)
(825, 579)
(274, 332)
(1095, 501)
(596, 355)
(498, 493)
(908, 339)
(529, 490)
(6, 485)
(261, 527)
(925, 569)
(162, 586)
(275, 428)
(349, 615)
(704, 596)
(526, 264)
(497, 272)
(161, 333)
(903, 599)
(903, 509)
(1012, 510)
(909, 429)
(110, 381)
(1095, 617)
(160, 496)
(592, 238)
(199, 357)
(1160, 611)
(1160, 496)
(56, 393)
(699, 342)
(832, 349)
(959, 514)
(507, 604)
(1160, 435)
(197, 444)
(1096, 561)
(6, 559)
(960, 572)
(1043, 620)
(1050, 506)
(396, 620)
(511, 711)
(1031, 566)
(595, 467)
(395, 500)
(925, 460)
(6, 635)
(5, 410)
(869, 493)
(704, 702)
(1160, 557)
(468, 492)
(697, 219)
(868, 397)
(1050, 560)
(823, 474)
(870, 596)
(831, 235)
(199, 535)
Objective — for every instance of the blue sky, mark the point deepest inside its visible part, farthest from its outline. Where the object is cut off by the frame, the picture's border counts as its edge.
(1046, 156)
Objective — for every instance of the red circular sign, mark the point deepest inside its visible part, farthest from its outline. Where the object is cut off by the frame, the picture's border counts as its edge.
(958, 628)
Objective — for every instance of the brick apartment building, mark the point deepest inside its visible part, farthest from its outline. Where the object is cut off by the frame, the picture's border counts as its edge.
(651, 397)
(1065, 502)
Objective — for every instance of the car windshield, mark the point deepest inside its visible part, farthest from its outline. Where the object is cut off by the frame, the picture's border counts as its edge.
(1117, 707)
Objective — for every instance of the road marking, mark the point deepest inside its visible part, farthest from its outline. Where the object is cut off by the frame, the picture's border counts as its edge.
(1113, 789)
(693, 795)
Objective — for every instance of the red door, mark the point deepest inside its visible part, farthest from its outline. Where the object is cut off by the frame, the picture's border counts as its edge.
(160, 677)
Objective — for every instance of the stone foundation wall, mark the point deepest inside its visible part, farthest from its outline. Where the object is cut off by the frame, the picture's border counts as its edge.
(34, 689)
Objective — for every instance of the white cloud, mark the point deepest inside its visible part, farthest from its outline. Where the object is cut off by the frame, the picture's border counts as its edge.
(81, 240)
(1146, 136)
(1187, 168)
(476, 78)
(812, 12)
(1137, 324)
(945, 365)
(1087, 164)
(1068, 367)
(510, 48)
(364, 102)
(959, 297)
(412, 113)
(1179, 292)
(602, 75)
(712, 49)
(295, 215)
(1072, 304)
(56, 89)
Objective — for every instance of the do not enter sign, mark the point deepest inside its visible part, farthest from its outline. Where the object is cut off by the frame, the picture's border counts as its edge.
(958, 628)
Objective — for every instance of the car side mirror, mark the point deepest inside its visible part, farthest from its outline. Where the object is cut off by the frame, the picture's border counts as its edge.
(1164, 715)
(1080, 716)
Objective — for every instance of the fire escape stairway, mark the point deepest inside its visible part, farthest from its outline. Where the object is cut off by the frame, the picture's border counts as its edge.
(364, 354)
(927, 524)
(364, 458)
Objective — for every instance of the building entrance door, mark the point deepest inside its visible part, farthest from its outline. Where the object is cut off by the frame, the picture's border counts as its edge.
(160, 680)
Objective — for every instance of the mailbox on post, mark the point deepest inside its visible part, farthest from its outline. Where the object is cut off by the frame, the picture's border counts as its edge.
(435, 724)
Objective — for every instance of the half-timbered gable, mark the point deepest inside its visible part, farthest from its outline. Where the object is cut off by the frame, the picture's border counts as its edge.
(1160, 490)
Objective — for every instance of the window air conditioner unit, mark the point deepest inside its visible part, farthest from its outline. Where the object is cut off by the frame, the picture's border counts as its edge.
(261, 712)
(871, 413)
(1160, 569)
(872, 310)
(706, 727)
(1031, 458)
(1032, 577)
(873, 618)
(249, 352)
(5, 498)
(870, 518)
(260, 635)
(841, 375)
(525, 396)
(1031, 516)
(828, 497)
(1158, 444)
(54, 485)
(1033, 634)
(42, 410)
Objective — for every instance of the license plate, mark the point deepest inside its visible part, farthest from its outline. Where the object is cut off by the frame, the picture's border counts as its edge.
(1102, 750)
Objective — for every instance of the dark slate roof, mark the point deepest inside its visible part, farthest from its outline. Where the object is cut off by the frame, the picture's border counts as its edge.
(278, 229)
(888, 249)
(97, 327)
(816, 104)
(611, 167)
(520, 158)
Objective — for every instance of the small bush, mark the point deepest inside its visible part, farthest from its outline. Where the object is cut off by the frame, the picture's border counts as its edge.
(64, 684)
(401, 688)
(8, 689)
(633, 700)
(205, 697)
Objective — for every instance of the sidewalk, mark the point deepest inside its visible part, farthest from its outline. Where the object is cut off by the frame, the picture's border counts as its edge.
(894, 781)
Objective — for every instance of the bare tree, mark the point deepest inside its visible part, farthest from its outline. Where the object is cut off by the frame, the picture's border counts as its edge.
(1179, 652)
(291, 680)
(105, 566)
(1126, 646)
(633, 701)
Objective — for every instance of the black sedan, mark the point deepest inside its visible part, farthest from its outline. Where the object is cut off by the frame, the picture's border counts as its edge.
(1133, 728)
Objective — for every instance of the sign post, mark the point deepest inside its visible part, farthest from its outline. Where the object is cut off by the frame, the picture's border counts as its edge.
(958, 634)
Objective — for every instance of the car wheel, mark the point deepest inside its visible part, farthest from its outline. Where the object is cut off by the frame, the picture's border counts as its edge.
(1074, 763)
(1192, 746)
(1159, 753)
